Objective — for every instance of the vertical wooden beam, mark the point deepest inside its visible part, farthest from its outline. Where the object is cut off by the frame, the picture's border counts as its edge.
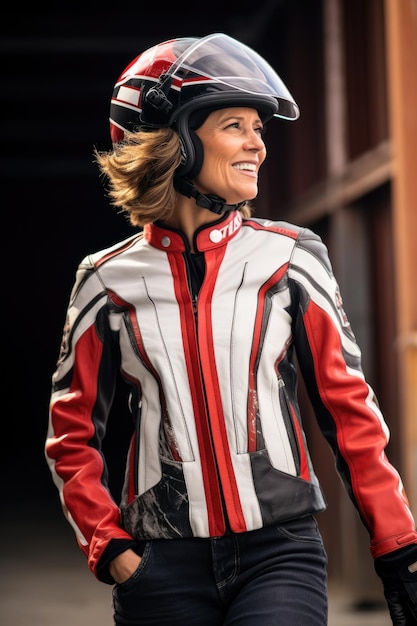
(401, 32)
(335, 91)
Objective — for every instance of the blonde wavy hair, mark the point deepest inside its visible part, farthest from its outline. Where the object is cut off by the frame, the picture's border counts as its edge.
(140, 170)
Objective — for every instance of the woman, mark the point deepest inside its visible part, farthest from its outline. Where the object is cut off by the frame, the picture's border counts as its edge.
(202, 314)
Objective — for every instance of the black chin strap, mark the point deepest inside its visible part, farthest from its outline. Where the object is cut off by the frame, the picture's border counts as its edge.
(211, 202)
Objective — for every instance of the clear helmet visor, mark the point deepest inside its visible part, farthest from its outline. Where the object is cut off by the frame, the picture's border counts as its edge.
(235, 65)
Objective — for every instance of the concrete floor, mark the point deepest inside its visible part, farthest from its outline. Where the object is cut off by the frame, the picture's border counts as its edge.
(45, 580)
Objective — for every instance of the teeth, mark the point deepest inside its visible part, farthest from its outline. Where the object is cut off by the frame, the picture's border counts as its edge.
(245, 166)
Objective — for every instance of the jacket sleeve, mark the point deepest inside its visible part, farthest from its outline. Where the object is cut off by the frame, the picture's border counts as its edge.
(83, 387)
(345, 405)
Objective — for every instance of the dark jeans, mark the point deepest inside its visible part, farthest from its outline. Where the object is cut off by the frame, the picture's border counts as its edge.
(274, 576)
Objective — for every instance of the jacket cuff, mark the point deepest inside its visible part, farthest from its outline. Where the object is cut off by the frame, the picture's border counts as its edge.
(393, 543)
(113, 549)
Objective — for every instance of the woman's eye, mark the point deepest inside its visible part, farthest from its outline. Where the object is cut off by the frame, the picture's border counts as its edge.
(259, 130)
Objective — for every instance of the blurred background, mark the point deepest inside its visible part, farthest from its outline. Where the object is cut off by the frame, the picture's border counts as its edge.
(347, 168)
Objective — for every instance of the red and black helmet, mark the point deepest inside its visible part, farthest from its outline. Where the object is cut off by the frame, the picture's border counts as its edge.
(168, 83)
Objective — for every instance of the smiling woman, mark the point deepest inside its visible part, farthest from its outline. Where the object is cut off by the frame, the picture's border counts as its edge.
(233, 151)
(206, 314)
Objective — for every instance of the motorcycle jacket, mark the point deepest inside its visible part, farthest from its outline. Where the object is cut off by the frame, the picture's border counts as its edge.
(208, 343)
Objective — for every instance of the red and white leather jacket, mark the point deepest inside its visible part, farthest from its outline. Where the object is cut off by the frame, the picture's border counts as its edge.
(218, 433)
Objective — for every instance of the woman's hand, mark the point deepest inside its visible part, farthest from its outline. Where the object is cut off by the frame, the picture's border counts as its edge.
(123, 566)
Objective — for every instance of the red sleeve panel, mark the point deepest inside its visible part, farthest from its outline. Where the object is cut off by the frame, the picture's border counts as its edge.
(350, 420)
(77, 424)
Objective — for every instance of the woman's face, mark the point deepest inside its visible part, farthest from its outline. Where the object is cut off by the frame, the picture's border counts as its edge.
(233, 153)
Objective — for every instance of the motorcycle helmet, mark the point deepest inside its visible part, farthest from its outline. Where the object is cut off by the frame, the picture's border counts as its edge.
(171, 81)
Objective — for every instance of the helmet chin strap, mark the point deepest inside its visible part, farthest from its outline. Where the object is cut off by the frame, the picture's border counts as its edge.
(210, 201)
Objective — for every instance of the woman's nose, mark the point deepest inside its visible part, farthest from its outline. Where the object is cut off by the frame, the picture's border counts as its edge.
(254, 141)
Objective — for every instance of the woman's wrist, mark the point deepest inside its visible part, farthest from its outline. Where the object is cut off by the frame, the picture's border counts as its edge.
(123, 565)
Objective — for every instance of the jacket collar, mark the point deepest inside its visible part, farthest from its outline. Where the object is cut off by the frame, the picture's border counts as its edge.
(207, 237)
